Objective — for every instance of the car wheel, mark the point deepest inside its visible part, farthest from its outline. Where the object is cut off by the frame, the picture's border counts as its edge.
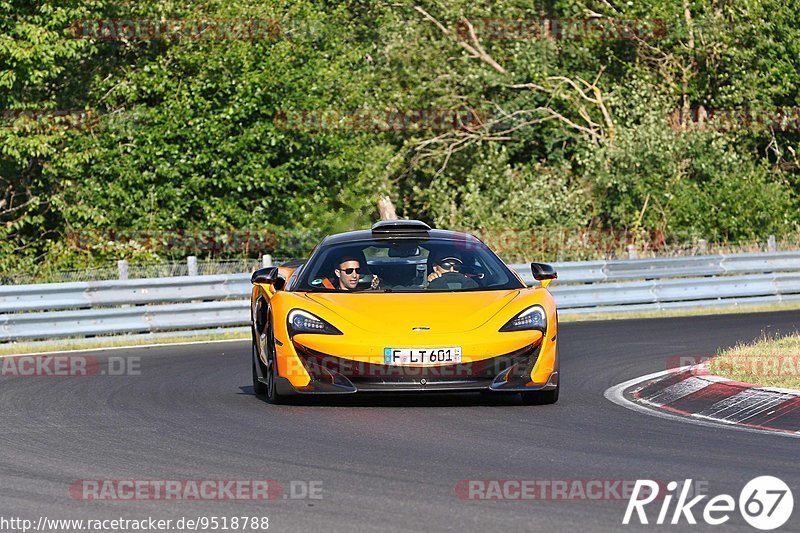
(271, 371)
(259, 388)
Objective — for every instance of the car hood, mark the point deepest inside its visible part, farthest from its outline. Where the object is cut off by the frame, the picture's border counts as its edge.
(448, 312)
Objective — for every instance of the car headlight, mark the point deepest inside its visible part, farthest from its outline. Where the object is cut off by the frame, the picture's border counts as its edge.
(532, 318)
(300, 321)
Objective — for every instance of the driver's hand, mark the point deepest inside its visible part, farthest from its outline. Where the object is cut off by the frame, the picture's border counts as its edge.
(433, 275)
(375, 282)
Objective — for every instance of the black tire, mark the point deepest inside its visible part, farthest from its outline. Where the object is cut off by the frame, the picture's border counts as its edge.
(260, 389)
(271, 370)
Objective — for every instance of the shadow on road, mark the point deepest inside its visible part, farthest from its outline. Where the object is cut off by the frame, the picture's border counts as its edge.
(410, 399)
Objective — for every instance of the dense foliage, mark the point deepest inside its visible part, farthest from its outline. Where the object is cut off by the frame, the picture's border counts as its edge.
(112, 143)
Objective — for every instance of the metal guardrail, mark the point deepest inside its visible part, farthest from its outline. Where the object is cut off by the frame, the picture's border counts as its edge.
(134, 319)
(15, 298)
(677, 290)
(696, 266)
(59, 310)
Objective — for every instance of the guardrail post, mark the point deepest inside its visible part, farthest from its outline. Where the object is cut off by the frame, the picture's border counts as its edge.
(772, 246)
(122, 268)
(632, 252)
(266, 260)
(702, 246)
(191, 264)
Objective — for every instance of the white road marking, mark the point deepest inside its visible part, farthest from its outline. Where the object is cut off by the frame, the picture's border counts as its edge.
(746, 404)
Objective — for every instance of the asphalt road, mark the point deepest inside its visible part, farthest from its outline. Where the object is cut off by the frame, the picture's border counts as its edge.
(383, 463)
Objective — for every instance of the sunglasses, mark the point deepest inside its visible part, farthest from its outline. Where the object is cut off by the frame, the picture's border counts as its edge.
(349, 271)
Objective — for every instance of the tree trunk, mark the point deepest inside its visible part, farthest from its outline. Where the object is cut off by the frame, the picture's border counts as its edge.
(386, 208)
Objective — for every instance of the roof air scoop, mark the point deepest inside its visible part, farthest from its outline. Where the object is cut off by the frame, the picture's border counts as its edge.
(392, 227)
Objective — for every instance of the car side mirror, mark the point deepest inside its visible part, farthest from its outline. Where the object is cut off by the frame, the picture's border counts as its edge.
(544, 273)
(268, 276)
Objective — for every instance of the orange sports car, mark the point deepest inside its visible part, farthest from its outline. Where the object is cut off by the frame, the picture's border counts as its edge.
(403, 307)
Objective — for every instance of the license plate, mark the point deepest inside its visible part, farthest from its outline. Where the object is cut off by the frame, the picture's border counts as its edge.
(422, 356)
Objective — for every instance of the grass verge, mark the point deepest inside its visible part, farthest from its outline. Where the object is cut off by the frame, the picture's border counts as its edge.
(768, 361)
(666, 313)
(115, 342)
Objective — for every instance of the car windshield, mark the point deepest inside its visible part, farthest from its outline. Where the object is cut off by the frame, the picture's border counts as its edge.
(406, 265)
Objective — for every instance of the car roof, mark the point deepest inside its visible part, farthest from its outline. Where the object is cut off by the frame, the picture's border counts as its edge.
(365, 234)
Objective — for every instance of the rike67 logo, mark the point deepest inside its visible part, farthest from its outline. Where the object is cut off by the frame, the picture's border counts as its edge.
(765, 503)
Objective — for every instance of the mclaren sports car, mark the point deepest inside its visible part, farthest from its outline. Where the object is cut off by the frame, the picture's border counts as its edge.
(403, 308)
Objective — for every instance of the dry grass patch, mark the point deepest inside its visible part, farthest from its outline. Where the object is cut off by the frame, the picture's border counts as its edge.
(668, 313)
(22, 348)
(769, 361)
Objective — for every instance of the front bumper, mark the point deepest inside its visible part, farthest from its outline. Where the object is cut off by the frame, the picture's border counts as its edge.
(335, 375)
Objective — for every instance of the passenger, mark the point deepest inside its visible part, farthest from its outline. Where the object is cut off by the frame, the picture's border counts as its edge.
(447, 275)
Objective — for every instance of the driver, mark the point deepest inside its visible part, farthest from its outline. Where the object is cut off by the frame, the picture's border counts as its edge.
(447, 275)
(348, 274)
